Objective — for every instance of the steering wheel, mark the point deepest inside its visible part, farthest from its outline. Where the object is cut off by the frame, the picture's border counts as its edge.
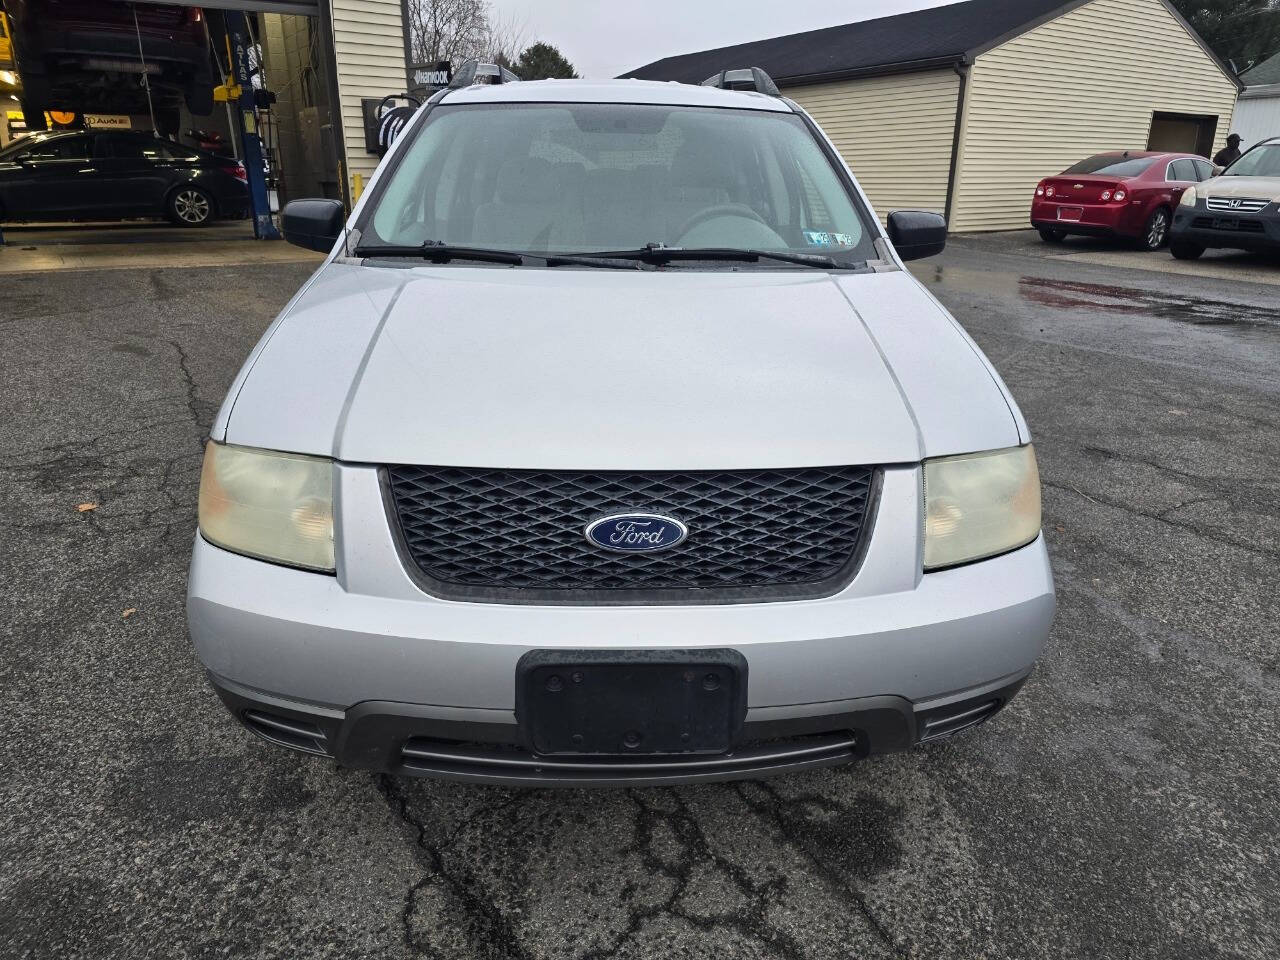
(720, 210)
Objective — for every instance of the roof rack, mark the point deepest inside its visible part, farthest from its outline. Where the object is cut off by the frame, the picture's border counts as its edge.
(746, 78)
(473, 71)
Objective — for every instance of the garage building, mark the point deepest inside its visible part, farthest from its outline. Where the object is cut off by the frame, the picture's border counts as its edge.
(963, 108)
(1258, 114)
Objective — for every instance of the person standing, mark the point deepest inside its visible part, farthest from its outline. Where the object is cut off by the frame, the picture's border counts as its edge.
(1229, 154)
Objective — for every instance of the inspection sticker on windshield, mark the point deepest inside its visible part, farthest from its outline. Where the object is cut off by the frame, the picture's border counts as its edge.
(820, 238)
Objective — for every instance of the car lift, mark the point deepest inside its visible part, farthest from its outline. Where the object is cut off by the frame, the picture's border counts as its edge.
(247, 126)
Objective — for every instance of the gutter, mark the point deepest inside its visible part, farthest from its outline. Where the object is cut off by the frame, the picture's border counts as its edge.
(1261, 91)
(879, 70)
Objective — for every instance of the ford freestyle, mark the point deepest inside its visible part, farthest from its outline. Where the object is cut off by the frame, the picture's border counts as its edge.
(613, 444)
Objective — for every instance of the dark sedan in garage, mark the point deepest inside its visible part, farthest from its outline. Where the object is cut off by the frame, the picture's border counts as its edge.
(117, 175)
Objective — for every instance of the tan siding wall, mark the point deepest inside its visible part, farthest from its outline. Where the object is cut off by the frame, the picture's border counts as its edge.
(1085, 82)
(368, 36)
(894, 132)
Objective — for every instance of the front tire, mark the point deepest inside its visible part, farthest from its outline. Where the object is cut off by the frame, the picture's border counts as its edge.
(191, 206)
(1155, 234)
(1186, 251)
(1051, 236)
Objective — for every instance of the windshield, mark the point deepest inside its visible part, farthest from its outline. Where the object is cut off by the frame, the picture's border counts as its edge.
(1113, 165)
(1261, 161)
(564, 178)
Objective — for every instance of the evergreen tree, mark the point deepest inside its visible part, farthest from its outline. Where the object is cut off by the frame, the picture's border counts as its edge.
(542, 61)
(1242, 32)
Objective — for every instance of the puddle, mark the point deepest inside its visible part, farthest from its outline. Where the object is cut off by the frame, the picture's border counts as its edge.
(1073, 295)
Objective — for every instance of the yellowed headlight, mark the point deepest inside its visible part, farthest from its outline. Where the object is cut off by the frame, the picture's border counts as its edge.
(979, 505)
(274, 506)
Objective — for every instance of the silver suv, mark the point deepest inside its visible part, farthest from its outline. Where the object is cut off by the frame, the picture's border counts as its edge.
(613, 444)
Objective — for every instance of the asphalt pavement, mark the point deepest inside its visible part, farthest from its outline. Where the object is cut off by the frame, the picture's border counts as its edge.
(1124, 806)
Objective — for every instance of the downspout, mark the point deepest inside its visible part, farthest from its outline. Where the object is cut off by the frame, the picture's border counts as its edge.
(962, 67)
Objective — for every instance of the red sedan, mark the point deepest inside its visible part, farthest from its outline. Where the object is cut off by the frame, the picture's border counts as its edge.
(1124, 194)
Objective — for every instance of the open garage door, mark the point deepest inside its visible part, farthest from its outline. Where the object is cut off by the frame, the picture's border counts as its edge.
(267, 94)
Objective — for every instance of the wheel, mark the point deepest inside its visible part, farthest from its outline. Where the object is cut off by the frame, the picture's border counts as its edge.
(33, 113)
(191, 206)
(168, 120)
(1051, 236)
(1186, 251)
(199, 97)
(1156, 232)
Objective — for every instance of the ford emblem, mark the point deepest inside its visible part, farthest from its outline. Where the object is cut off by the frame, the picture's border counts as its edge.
(636, 532)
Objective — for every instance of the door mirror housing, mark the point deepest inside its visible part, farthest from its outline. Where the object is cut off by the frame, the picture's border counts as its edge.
(24, 161)
(314, 224)
(917, 234)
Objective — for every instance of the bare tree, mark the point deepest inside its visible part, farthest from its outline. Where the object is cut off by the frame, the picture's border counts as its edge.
(455, 30)
(507, 37)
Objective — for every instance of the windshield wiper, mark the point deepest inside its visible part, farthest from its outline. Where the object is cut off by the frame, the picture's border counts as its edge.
(438, 252)
(657, 253)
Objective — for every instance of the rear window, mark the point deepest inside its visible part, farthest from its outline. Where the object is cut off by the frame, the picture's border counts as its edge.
(1112, 165)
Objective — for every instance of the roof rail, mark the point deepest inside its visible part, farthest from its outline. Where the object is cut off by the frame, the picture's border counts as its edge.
(747, 78)
(473, 71)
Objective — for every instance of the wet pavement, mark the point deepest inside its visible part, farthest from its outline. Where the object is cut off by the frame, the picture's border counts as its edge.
(1123, 806)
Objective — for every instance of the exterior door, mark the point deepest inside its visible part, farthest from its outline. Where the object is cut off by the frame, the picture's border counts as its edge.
(1182, 133)
(136, 170)
(46, 181)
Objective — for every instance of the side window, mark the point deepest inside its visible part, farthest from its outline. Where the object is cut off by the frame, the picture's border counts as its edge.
(173, 151)
(133, 148)
(1204, 169)
(61, 148)
(1183, 171)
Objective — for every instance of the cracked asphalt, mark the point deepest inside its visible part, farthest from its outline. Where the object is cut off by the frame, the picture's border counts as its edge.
(1124, 806)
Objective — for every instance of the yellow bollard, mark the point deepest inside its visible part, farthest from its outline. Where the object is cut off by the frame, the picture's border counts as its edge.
(357, 187)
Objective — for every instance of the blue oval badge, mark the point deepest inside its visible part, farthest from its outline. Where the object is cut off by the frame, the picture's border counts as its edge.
(636, 532)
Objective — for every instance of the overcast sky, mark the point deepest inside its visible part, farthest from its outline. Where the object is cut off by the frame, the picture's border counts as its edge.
(604, 39)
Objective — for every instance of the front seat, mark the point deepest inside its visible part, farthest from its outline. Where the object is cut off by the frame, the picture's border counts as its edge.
(532, 209)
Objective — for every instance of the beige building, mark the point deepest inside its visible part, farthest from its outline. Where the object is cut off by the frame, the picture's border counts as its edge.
(963, 108)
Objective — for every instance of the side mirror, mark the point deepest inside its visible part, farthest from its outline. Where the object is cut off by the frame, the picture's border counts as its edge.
(25, 162)
(916, 234)
(314, 224)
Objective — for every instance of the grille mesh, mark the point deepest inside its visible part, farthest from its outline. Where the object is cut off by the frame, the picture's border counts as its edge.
(522, 531)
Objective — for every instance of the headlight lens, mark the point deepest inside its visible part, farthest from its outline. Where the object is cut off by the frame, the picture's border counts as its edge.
(274, 506)
(1188, 197)
(979, 505)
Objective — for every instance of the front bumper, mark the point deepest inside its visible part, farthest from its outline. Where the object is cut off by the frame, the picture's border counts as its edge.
(1251, 231)
(380, 668)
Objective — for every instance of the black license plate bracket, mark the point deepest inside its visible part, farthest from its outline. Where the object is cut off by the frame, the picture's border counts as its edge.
(629, 703)
(1226, 223)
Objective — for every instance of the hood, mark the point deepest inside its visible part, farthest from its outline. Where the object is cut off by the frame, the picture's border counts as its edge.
(1255, 187)
(606, 370)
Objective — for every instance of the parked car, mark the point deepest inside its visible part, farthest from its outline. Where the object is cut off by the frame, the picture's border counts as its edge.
(75, 52)
(614, 444)
(1239, 209)
(1125, 194)
(117, 175)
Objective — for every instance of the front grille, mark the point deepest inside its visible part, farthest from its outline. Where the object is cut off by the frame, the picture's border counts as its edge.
(518, 536)
(1237, 204)
(1241, 226)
